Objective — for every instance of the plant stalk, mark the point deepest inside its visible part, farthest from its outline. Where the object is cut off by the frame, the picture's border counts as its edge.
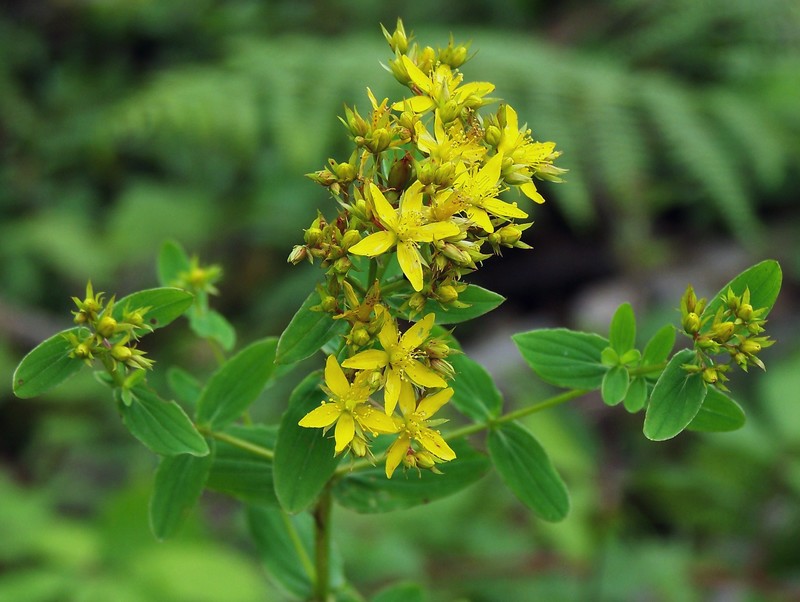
(322, 543)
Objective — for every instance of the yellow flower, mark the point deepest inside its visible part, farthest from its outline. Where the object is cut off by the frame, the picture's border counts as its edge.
(415, 426)
(347, 407)
(405, 228)
(528, 157)
(450, 144)
(398, 359)
(441, 86)
(477, 192)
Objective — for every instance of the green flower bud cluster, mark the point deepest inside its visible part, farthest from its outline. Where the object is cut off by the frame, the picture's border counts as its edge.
(104, 337)
(734, 329)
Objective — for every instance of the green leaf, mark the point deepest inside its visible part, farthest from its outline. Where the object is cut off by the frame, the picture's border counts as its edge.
(636, 398)
(615, 385)
(369, 491)
(166, 304)
(236, 384)
(622, 331)
(241, 473)
(564, 357)
(307, 332)
(178, 484)
(304, 457)
(286, 546)
(763, 280)
(211, 324)
(46, 365)
(659, 346)
(183, 385)
(676, 399)
(526, 469)
(172, 261)
(480, 301)
(719, 413)
(401, 592)
(161, 425)
(475, 394)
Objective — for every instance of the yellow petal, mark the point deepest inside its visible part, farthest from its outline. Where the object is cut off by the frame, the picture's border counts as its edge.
(481, 218)
(345, 430)
(371, 359)
(475, 88)
(422, 81)
(512, 122)
(408, 399)
(321, 417)
(529, 190)
(424, 376)
(375, 421)
(388, 336)
(411, 263)
(489, 174)
(417, 104)
(429, 405)
(434, 443)
(383, 208)
(374, 244)
(498, 207)
(412, 199)
(435, 230)
(335, 379)
(395, 454)
(414, 336)
(391, 390)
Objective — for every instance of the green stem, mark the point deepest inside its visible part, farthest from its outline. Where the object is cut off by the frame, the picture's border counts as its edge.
(322, 542)
(308, 566)
(644, 370)
(113, 371)
(257, 450)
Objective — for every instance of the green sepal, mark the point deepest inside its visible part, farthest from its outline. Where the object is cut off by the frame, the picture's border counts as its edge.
(178, 484)
(475, 394)
(565, 358)
(241, 473)
(277, 538)
(369, 491)
(47, 365)
(719, 413)
(307, 332)
(675, 400)
(764, 282)
(172, 262)
(210, 324)
(636, 397)
(236, 384)
(302, 452)
(622, 331)
(615, 385)
(165, 305)
(525, 468)
(160, 425)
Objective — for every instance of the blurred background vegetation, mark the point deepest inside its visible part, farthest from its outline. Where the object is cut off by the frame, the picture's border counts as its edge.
(127, 122)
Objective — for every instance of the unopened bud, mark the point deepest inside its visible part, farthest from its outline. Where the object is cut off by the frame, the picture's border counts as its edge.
(329, 304)
(510, 235)
(359, 336)
(399, 173)
(121, 353)
(447, 293)
(313, 236)
(425, 459)
(106, 326)
(493, 135)
(749, 346)
(745, 311)
(691, 323)
(379, 140)
(710, 375)
(298, 254)
(358, 447)
(342, 265)
(82, 351)
(350, 238)
(417, 302)
(722, 331)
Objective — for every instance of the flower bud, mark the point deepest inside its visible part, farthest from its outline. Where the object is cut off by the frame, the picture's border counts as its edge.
(399, 173)
(350, 238)
(298, 254)
(379, 140)
(398, 40)
(82, 351)
(722, 331)
(106, 326)
(417, 302)
(510, 235)
(329, 304)
(447, 293)
(450, 111)
(359, 336)
(710, 375)
(445, 175)
(437, 349)
(121, 353)
(456, 255)
(342, 265)
(749, 346)
(745, 311)
(425, 459)
(493, 135)
(691, 323)
(358, 447)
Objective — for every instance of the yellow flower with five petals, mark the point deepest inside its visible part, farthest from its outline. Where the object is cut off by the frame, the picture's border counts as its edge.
(399, 359)
(415, 425)
(406, 227)
(348, 408)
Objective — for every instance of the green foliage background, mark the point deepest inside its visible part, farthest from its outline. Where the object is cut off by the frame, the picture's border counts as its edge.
(124, 123)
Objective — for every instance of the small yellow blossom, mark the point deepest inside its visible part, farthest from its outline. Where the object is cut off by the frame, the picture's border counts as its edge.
(406, 227)
(347, 407)
(415, 426)
(399, 360)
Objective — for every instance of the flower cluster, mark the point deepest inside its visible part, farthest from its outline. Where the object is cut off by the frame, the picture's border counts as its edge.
(419, 208)
(105, 337)
(734, 329)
